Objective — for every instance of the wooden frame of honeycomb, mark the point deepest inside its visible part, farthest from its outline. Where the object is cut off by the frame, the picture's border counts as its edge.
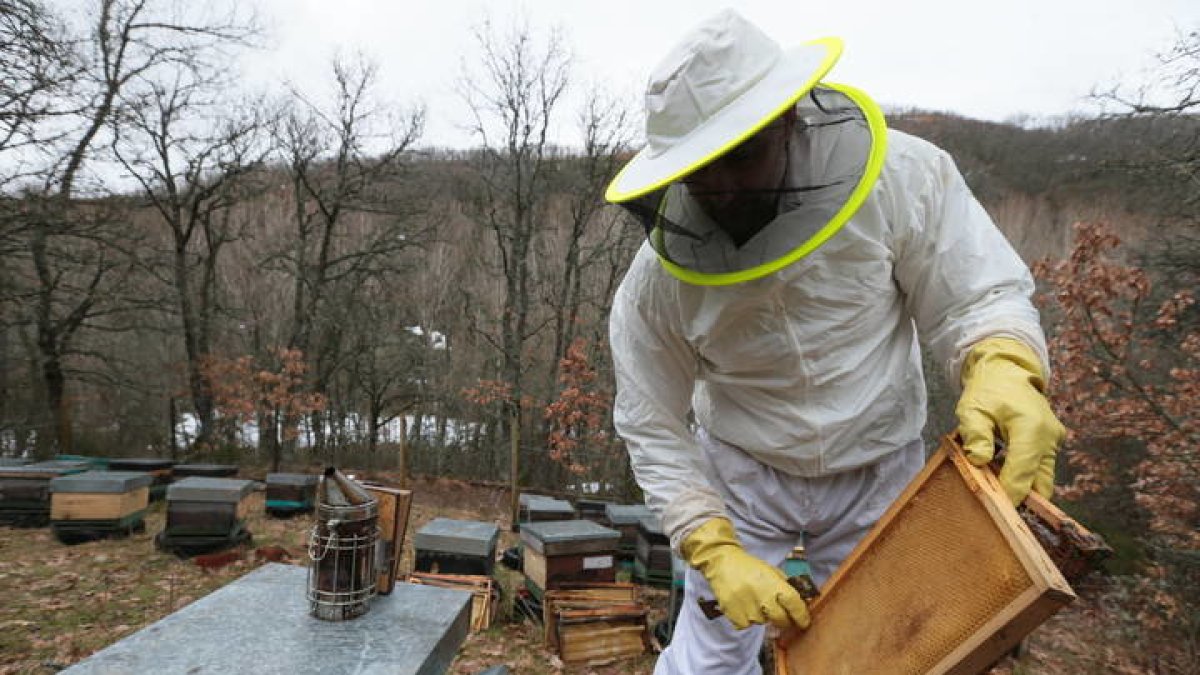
(948, 581)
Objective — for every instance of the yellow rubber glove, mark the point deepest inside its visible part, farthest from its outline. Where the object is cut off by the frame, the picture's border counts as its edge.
(1003, 389)
(747, 589)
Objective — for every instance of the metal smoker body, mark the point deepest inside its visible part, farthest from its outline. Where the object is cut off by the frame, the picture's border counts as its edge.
(342, 549)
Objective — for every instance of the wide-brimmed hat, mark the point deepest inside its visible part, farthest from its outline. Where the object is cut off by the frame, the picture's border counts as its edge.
(724, 82)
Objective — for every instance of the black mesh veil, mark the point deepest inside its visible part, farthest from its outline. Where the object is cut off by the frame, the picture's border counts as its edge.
(828, 161)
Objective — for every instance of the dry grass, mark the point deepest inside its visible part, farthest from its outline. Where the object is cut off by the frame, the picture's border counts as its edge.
(62, 603)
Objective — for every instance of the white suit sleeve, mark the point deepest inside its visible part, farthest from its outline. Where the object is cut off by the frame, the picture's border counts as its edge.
(655, 374)
(963, 280)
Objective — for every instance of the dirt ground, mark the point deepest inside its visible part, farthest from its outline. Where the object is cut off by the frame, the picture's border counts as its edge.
(62, 603)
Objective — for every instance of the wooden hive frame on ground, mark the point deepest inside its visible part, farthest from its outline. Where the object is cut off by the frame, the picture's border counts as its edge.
(485, 593)
(595, 623)
(948, 581)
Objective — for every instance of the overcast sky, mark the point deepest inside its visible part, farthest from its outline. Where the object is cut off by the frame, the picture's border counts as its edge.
(988, 59)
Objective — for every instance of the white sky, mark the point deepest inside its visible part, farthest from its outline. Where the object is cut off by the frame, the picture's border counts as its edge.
(987, 59)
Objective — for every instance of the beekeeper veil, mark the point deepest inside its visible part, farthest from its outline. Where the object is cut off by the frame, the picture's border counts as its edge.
(724, 89)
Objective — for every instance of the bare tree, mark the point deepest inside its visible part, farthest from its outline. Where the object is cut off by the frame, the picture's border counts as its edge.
(1165, 157)
(592, 229)
(513, 105)
(74, 250)
(351, 224)
(193, 167)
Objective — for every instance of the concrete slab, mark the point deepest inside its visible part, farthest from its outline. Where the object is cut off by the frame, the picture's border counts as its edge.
(463, 537)
(260, 624)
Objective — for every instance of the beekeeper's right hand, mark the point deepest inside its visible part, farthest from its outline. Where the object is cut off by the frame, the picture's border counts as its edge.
(747, 589)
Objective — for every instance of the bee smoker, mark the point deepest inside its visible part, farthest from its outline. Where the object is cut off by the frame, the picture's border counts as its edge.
(341, 549)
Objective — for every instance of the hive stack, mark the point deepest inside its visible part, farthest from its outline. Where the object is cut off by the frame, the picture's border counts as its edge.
(25, 490)
(290, 493)
(205, 514)
(653, 563)
(595, 623)
(566, 552)
(95, 504)
(624, 518)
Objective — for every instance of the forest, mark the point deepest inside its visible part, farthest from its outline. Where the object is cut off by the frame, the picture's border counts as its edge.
(294, 278)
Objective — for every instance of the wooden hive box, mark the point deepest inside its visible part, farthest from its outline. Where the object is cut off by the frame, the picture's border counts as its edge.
(25, 490)
(624, 518)
(161, 469)
(948, 581)
(291, 493)
(99, 495)
(539, 509)
(199, 506)
(568, 551)
(452, 546)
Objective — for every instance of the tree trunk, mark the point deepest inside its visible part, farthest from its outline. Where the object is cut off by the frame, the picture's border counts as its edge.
(56, 384)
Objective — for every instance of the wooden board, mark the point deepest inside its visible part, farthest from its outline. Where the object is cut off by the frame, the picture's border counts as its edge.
(485, 593)
(948, 581)
(595, 623)
(98, 505)
(394, 505)
(583, 596)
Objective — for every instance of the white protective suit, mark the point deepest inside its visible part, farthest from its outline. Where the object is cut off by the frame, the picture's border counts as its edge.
(815, 369)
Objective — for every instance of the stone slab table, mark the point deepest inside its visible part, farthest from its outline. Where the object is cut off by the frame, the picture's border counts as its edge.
(260, 624)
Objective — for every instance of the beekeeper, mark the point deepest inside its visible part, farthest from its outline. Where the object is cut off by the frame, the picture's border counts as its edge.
(765, 337)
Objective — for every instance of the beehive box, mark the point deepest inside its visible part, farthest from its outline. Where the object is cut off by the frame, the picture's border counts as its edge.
(161, 469)
(568, 551)
(449, 546)
(539, 509)
(25, 490)
(204, 513)
(592, 509)
(652, 564)
(291, 493)
(624, 518)
(948, 581)
(98, 503)
(205, 470)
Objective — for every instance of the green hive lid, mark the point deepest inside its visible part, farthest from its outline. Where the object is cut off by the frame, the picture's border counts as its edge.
(114, 482)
